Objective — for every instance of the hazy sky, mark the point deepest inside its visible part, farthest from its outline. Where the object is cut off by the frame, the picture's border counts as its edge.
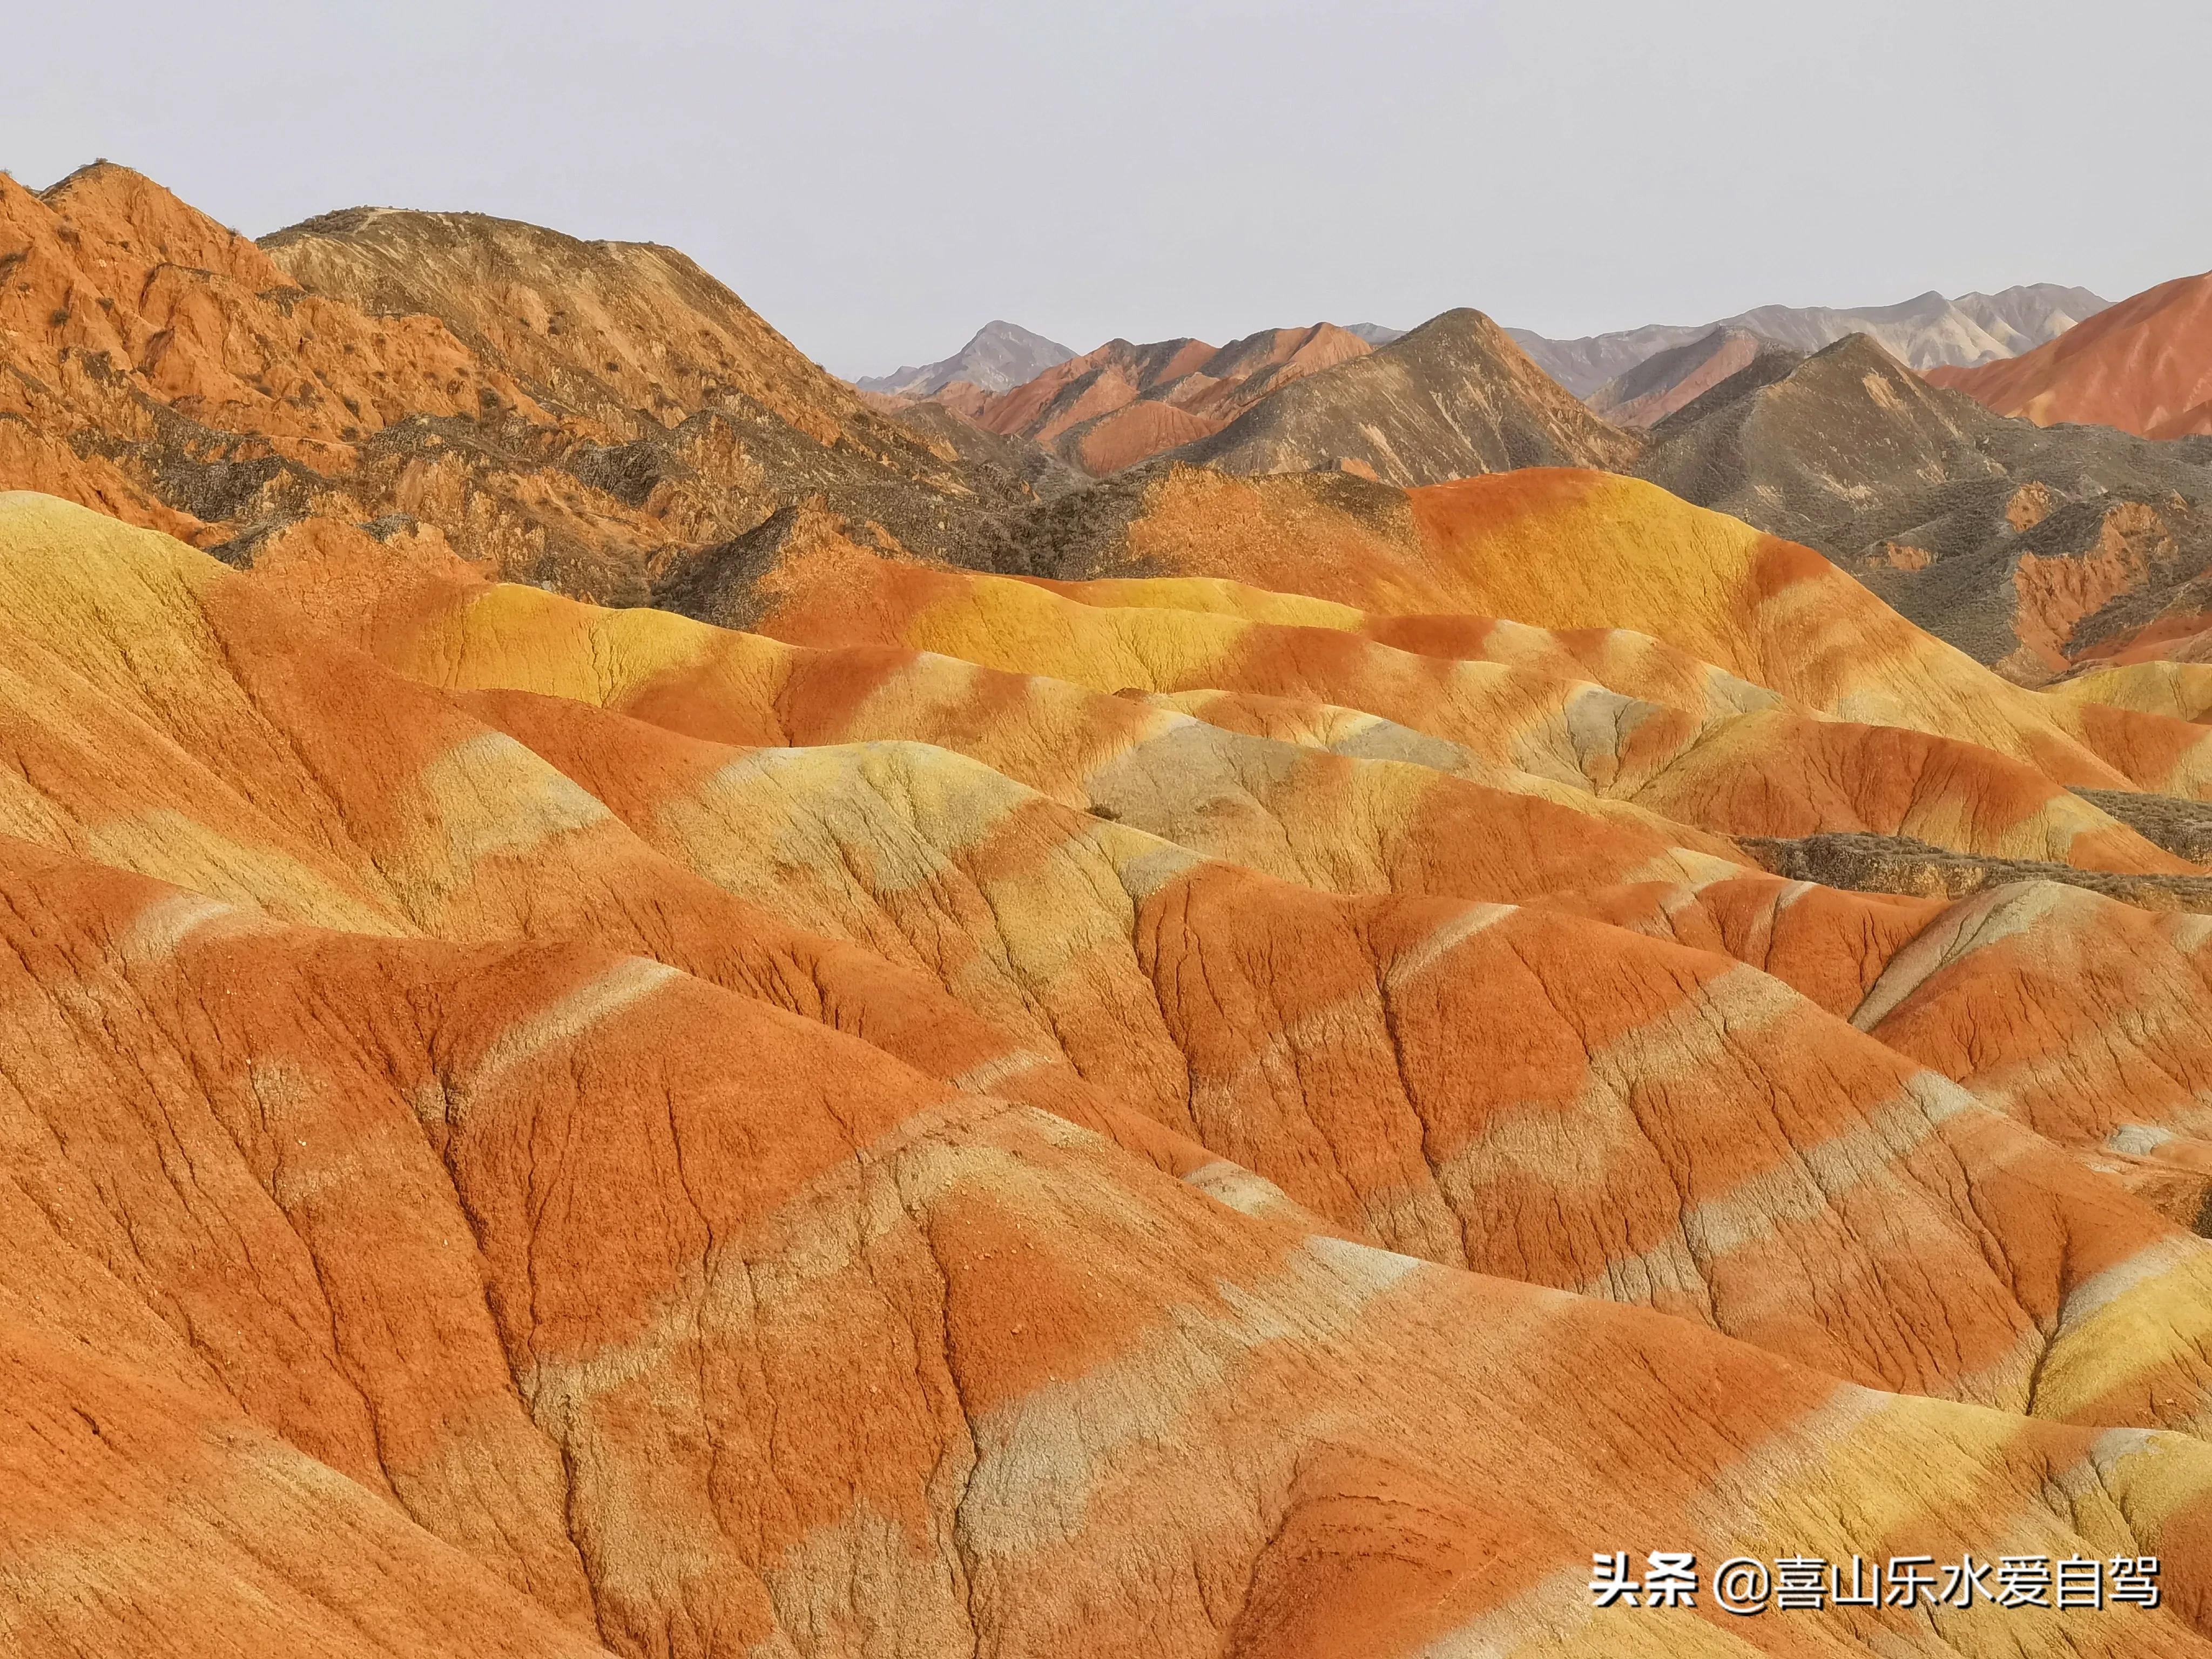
(878, 180)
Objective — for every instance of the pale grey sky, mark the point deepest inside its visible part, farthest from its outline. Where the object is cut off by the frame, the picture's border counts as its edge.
(879, 179)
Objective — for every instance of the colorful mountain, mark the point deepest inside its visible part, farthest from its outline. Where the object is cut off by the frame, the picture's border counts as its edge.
(1123, 403)
(1213, 1065)
(1645, 395)
(1453, 398)
(554, 410)
(640, 1067)
(2145, 368)
(1926, 333)
(2035, 551)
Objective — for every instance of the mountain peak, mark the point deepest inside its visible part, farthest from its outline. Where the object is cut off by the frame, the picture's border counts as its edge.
(1671, 380)
(1455, 397)
(1925, 331)
(2139, 365)
(117, 217)
(998, 357)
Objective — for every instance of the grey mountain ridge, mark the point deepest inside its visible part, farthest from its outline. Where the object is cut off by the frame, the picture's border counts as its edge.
(1921, 333)
(1935, 502)
(998, 357)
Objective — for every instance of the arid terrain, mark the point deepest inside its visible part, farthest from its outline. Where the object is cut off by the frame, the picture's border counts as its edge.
(570, 412)
(2038, 551)
(1231, 1001)
(2146, 367)
(999, 357)
(1123, 403)
(1929, 332)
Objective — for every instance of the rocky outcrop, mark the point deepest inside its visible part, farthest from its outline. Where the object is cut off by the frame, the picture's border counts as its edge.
(555, 411)
(1901, 864)
(1684, 741)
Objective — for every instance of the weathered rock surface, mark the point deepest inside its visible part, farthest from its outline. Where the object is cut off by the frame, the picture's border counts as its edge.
(706, 805)
(2034, 551)
(555, 411)
(2181, 690)
(1205, 1069)
(1904, 864)
(683, 1161)
(863, 1363)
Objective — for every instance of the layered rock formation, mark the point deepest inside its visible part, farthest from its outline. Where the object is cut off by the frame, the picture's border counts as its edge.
(1123, 403)
(555, 411)
(1454, 396)
(704, 1144)
(1242, 1066)
(2035, 551)
(2146, 369)
(1570, 549)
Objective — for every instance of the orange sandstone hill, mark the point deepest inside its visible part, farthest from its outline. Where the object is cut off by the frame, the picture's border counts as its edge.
(1648, 391)
(1215, 1066)
(549, 1130)
(1123, 403)
(582, 413)
(1454, 396)
(2144, 366)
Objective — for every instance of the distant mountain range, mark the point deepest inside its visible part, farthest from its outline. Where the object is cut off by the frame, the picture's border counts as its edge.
(1647, 393)
(999, 357)
(1002, 355)
(1124, 402)
(1926, 333)
(2144, 367)
(2039, 552)
(1453, 397)
(2036, 551)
